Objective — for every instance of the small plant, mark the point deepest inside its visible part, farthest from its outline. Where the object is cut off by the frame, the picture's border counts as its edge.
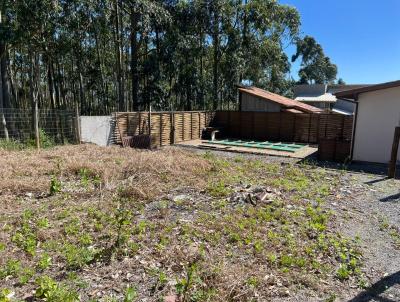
(12, 268)
(252, 281)
(218, 189)
(72, 227)
(55, 186)
(6, 295)
(44, 262)
(87, 177)
(343, 272)
(49, 290)
(76, 256)
(25, 275)
(25, 237)
(43, 223)
(130, 294)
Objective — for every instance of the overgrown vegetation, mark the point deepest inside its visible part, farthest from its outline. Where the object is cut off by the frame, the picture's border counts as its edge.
(132, 224)
(15, 145)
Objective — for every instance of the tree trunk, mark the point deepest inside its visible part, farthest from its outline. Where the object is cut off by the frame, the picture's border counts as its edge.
(34, 61)
(118, 50)
(215, 38)
(3, 86)
(134, 60)
(50, 83)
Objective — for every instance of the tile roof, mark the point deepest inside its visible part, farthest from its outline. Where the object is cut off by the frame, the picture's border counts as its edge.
(281, 100)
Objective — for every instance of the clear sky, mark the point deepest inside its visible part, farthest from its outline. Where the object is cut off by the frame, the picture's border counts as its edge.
(361, 36)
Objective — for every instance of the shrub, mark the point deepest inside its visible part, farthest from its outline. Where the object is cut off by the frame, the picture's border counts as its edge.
(45, 140)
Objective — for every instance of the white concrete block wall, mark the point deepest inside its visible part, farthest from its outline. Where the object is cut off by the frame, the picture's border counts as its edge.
(96, 129)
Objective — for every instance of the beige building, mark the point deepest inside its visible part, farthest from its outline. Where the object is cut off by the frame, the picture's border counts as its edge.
(377, 115)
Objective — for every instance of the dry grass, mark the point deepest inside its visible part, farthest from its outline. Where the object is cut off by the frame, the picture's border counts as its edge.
(31, 171)
(160, 223)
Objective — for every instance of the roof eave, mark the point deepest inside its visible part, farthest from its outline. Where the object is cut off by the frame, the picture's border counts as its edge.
(354, 93)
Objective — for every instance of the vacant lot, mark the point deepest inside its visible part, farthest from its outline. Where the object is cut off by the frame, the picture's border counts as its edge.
(109, 224)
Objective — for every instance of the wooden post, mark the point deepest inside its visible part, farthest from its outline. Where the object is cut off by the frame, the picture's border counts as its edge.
(172, 137)
(77, 125)
(395, 149)
(149, 119)
(191, 125)
(199, 114)
(183, 126)
(161, 131)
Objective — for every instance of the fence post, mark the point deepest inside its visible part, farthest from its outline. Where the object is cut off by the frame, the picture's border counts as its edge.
(395, 149)
(149, 119)
(199, 124)
(183, 126)
(161, 130)
(77, 125)
(191, 125)
(172, 134)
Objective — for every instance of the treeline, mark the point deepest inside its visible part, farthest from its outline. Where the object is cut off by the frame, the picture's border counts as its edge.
(109, 55)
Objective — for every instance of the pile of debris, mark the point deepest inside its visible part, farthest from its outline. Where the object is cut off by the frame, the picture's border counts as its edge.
(254, 195)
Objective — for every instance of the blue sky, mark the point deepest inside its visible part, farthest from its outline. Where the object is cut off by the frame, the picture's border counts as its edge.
(361, 36)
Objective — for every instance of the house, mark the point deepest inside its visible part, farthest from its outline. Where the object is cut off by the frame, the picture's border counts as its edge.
(323, 97)
(257, 99)
(376, 116)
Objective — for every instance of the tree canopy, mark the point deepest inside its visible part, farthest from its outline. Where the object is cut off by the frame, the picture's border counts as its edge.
(315, 66)
(110, 55)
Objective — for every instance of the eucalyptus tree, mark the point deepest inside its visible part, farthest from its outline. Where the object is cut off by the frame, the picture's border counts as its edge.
(110, 55)
(315, 66)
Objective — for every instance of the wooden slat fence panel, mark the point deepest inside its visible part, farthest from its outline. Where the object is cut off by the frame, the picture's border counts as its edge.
(166, 127)
(286, 127)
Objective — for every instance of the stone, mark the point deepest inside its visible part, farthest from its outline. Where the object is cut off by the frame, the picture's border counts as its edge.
(171, 298)
(180, 198)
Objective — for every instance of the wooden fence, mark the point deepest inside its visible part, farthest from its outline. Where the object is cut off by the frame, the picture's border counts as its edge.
(166, 127)
(282, 126)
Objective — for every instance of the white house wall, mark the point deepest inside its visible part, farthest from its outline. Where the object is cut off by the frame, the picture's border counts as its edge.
(378, 115)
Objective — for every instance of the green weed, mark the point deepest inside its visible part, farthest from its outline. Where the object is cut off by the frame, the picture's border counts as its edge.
(55, 186)
(51, 291)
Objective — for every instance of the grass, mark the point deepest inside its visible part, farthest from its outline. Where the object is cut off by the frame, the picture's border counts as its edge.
(15, 145)
(102, 223)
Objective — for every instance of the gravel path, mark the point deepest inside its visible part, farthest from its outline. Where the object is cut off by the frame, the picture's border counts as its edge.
(369, 209)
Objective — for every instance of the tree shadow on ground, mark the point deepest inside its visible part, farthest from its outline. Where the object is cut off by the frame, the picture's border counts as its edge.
(375, 290)
(392, 198)
(355, 167)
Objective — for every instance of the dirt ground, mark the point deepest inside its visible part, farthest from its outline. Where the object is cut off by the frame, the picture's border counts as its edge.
(85, 223)
(369, 208)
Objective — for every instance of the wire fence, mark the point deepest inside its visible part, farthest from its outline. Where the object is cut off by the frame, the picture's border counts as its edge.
(57, 125)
